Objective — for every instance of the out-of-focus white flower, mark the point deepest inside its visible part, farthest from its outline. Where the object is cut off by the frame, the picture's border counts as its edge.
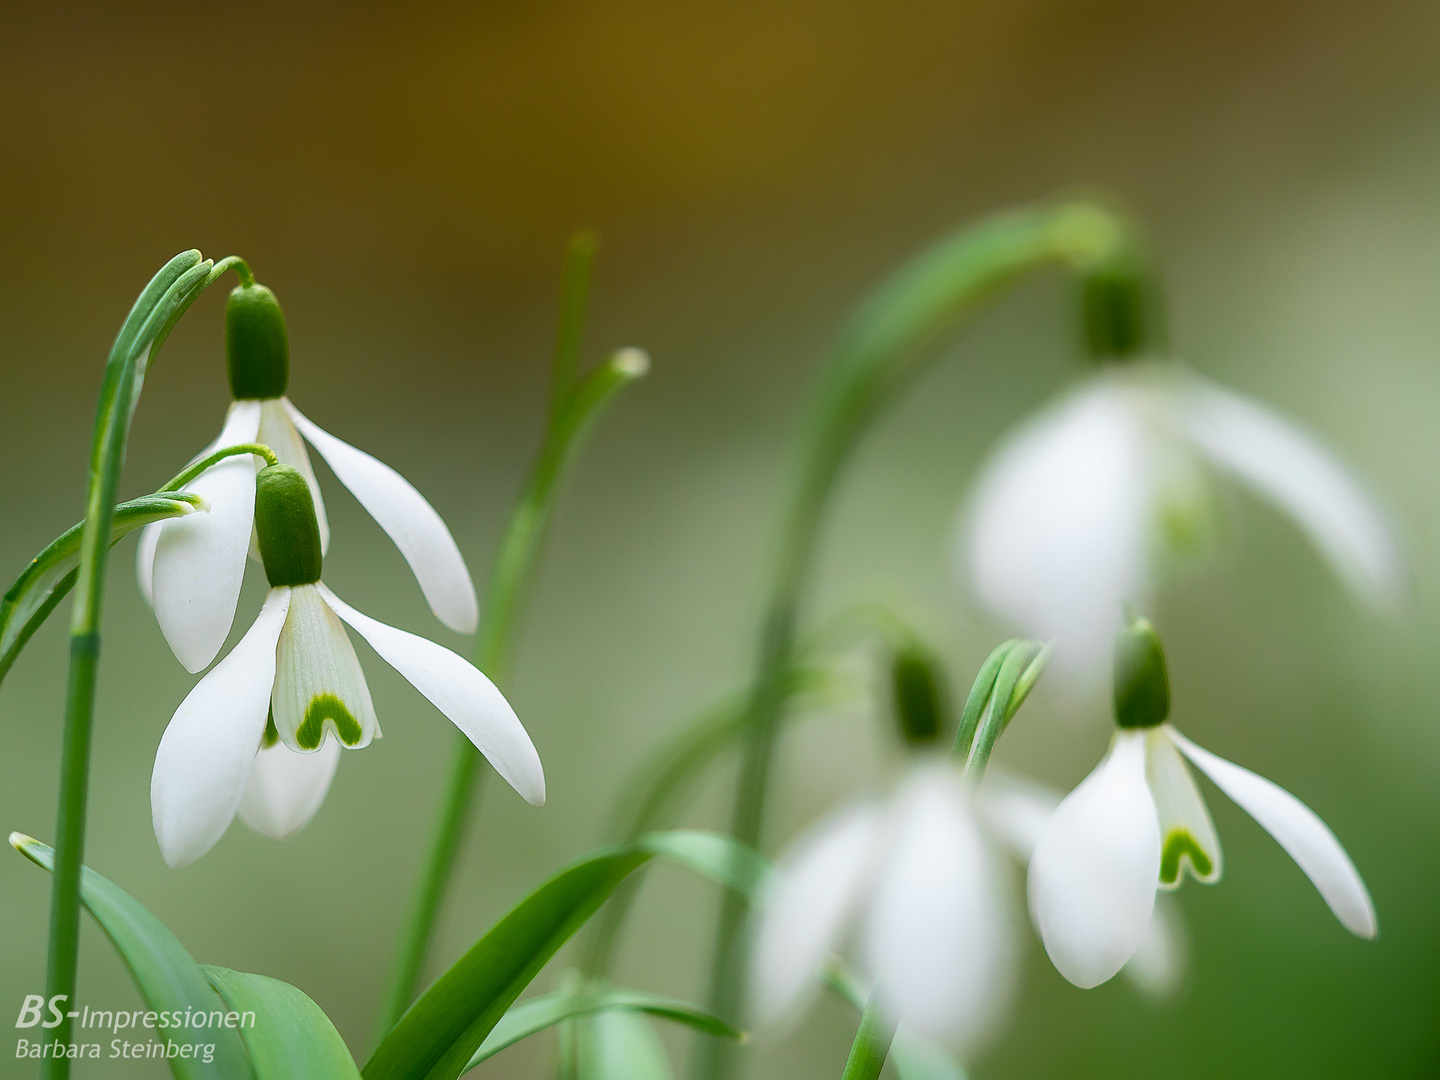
(1138, 823)
(1016, 809)
(261, 733)
(191, 575)
(1078, 509)
(917, 882)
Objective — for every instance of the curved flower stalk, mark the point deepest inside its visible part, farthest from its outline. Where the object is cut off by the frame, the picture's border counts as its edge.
(1082, 506)
(918, 883)
(1138, 823)
(190, 572)
(261, 733)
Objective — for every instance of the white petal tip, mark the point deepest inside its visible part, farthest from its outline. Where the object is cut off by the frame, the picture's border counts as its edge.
(631, 361)
(20, 841)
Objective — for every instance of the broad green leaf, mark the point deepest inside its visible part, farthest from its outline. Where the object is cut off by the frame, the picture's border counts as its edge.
(546, 1010)
(437, 1036)
(169, 981)
(51, 574)
(619, 1046)
(290, 1036)
(912, 1057)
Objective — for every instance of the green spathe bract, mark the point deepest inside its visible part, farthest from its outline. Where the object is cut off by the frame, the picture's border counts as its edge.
(257, 347)
(286, 528)
(1142, 684)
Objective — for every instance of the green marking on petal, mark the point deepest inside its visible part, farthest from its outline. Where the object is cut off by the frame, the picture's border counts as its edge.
(1179, 844)
(324, 707)
(272, 734)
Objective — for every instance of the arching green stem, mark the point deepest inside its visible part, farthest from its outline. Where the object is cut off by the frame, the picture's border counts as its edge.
(157, 310)
(574, 406)
(191, 471)
(890, 338)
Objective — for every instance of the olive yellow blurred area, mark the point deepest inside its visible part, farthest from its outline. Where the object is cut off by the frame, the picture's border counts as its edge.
(405, 178)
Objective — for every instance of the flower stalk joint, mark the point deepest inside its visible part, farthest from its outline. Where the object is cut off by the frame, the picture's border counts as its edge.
(1142, 683)
(1121, 309)
(286, 528)
(257, 348)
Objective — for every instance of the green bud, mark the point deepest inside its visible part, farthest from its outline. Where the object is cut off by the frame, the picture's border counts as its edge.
(1142, 685)
(919, 699)
(257, 349)
(1121, 311)
(285, 526)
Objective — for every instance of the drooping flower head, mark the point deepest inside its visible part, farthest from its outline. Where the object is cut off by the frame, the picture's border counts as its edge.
(191, 574)
(1085, 504)
(261, 734)
(1138, 823)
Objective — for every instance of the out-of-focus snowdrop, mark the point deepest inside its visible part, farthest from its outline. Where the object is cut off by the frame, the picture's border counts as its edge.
(916, 883)
(1138, 823)
(1083, 506)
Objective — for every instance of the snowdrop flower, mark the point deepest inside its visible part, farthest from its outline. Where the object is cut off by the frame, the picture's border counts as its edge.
(915, 879)
(1138, 823)
(261, 733)
(190, 572)
(1016, 810)
(1078, 509)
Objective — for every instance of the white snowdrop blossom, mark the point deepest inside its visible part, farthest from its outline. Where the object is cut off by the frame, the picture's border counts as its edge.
(261, 733)
(1138, 823)
(190, 570)
(1080, 507)
(917, 882)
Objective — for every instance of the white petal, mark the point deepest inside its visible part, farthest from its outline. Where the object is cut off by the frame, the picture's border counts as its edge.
(1306, 838)
(823, 875)
(1187, 835)
(410, 522)
(320, 690)
(277, 431)
(938, 938)
(205, 755)
(1093, 876)
(1059, 530)
(1157, 969)
(462, 692)
(1285, 465)
(145, 561)
(1016, 809)
(286, 788)
(200, 558)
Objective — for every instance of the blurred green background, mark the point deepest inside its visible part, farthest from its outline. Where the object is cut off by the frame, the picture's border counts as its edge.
(404, 177)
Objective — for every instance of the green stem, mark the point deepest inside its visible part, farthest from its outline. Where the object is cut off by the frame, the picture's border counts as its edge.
(888, 341)
(190, 472)
(158, 308)
(872, 1043)
(511, 579)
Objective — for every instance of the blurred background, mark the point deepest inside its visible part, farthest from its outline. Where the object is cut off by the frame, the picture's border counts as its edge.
(405, 178)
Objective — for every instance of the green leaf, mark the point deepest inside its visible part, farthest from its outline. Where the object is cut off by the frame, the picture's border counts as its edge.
(546, 1010)
(51, 574)
(291, 1036)
(619, 1046)
(438, 1034)
(168, 979)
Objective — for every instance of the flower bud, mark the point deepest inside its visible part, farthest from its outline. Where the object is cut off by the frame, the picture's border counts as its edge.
(1121, 312)
(285, 526)
(1142, 685)
(257, 349)
(919, 700)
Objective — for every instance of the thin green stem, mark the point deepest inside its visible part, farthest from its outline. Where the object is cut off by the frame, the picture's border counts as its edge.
(193, 470)
(889, 340)
(158, 308)
(511, 579)
(872, 1043)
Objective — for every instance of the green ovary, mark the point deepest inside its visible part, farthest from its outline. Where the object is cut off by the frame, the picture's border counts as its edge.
(324, 707)
(1180, 844)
